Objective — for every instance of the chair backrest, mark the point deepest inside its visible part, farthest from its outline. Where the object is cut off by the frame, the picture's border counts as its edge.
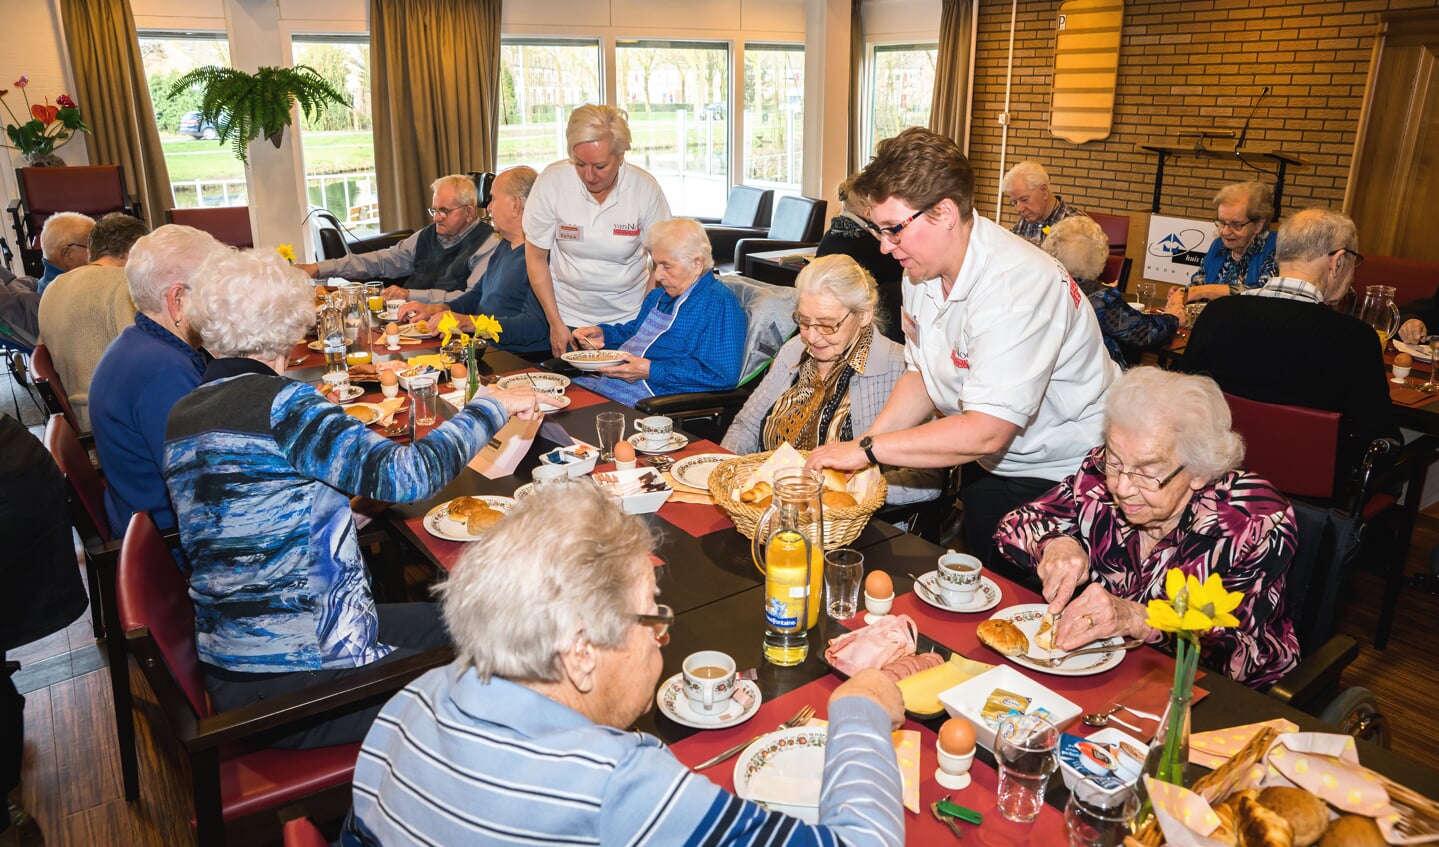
(152, 593)
(1116, 228)
(44, 376)
(1411, 278)
(748, 206)
(89, 490)
(484, 186)
(1294, 447)
(90, 189)
(768, 312)
(1116, 271)
(798, 219)
(229, 224)
(332, 240)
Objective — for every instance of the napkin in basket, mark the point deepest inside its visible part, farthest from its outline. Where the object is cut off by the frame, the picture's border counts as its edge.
(1214, 748)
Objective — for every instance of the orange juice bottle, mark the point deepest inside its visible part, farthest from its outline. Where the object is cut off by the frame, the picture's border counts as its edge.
(788, 546)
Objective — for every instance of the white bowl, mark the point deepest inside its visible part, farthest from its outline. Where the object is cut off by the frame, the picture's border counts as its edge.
(967, 699)
(643, 502)
(434, 373)
(1074, 768)
(576, 465)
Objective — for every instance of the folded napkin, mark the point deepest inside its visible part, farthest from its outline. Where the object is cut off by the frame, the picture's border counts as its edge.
(1214, 748)
(434, 360)
(766, 787)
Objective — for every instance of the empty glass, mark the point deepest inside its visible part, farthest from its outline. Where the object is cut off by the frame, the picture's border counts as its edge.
(423, 397)
(1099, 815)
(843, 572)
(610, 427)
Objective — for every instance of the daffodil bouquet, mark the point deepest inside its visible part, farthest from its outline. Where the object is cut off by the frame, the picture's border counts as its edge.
(1193, 608)
(485, 327)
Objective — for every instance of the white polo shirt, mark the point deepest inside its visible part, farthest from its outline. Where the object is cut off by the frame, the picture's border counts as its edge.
(1015, 339)
(596, 256)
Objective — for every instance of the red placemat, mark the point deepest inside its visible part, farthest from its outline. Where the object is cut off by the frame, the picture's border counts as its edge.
(697, 519)
(446, 553)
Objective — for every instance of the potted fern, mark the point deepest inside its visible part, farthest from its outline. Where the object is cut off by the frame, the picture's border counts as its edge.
(245, 106)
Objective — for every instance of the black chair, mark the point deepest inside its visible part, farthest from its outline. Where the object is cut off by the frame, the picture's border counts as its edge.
(798, 222)
(746, 215)
(334, 244)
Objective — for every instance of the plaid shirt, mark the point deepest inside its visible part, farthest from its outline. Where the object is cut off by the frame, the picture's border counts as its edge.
(1288, 288)
(1036, 231)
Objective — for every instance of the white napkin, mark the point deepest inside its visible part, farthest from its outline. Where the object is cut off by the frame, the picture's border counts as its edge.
(767, 787)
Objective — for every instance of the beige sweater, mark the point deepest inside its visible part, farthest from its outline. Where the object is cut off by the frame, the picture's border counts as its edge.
(81, 312)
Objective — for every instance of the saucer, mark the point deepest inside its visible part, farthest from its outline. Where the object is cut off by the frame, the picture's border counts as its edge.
(986, 598)
(676, 706)
(348, 393)
(640, 443)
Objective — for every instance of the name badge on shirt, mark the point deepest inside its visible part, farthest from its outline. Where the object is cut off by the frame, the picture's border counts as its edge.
(960, 360)
(909, 325)
(627, 230)
(571, 232)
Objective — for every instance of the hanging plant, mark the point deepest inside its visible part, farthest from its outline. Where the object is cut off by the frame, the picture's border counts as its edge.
(245, 106)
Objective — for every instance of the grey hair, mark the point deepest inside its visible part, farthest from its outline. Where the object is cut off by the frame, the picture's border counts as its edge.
(1024, 175)
(599, 122)
(851, 201)
(1189, 408)
(1079, 243)
(114, 235)
(1258, 199)
(462, 185)
(512, 604)
(63, 228)
(519, 180)
(682, 238)
(165, 257)
(842, 278)
(1312, 234)
(250, 303)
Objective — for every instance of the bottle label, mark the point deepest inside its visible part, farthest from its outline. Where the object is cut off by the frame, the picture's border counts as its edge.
(779, 614)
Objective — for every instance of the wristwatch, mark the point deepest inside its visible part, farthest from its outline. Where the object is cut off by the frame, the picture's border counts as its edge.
(867, 445)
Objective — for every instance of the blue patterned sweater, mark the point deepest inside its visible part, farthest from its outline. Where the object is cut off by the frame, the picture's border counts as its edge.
(260, 470)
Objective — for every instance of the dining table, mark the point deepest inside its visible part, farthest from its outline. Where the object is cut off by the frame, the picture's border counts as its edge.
(706, 572)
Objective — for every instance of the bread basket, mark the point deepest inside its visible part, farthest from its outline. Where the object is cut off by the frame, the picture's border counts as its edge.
(841, 524)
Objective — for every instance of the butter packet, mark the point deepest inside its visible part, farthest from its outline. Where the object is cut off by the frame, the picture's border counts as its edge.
(1001, 702)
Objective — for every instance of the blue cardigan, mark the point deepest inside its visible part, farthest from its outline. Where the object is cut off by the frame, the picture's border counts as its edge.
(503, 292)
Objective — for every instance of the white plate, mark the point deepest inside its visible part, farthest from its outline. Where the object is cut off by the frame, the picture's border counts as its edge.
(677, 442)
(374, 408)
(439, 524)
(986, 598)
(410, 331)
(1420, 352)
(695, 471)
(1027, 616)
(542, 382)
(317, 346)
(593, 360)
(553, 403)
(387, 317)
(524, 491)
(797, 752)
(676, 706)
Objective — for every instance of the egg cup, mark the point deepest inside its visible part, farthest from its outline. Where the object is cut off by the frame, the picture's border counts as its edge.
(876, 607)
(392, 342)
(625, 466)
(953, 770)
(390, 391)
(1401, 374)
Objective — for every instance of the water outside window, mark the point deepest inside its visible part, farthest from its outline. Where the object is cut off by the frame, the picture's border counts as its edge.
(339, 145)
(203, 172)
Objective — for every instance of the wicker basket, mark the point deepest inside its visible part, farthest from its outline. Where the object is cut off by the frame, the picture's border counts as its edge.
(841, 524)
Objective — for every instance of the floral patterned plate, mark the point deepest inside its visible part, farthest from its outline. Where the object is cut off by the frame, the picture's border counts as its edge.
(797, 753)
(1027, 616)
(676, 706)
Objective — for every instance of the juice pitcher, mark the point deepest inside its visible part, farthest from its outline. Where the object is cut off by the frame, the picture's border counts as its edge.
(1378, 310)
(789, 548)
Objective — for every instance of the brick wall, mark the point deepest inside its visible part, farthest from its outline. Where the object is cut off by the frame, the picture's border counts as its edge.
(1182, 65)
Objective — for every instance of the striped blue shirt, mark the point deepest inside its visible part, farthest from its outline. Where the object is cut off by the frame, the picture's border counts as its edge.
(453, 760)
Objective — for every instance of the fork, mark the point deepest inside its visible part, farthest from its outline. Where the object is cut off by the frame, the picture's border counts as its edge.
(1127, 645)
(800, 718)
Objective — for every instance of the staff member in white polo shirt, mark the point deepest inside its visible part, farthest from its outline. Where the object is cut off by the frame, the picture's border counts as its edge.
(998, 340)
(583, 227)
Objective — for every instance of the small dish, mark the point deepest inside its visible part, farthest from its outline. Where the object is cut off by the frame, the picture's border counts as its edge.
(418, 371)
(439, 523)
(350, 392)
(674, 705)
(790, 754)
(1100, 756)
(967, 699)
(317, 346)
(986, 598)
(547, 383)
(366, 413)
(553, 402)
(418, 329)
(593, 360)
(578, 459)
(695, 471)
(636, 502)
(677, 442)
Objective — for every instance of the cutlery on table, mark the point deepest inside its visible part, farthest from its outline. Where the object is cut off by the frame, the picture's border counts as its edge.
(1127, 645)
(925, 590)
(800, 718)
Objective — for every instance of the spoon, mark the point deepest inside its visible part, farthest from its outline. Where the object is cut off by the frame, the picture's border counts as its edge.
(1100, 719)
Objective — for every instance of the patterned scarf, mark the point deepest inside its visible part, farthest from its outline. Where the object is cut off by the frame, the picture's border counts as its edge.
(815, 409)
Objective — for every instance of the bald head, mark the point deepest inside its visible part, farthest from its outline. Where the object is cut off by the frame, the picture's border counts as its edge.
(507, 202)
(1318, 246)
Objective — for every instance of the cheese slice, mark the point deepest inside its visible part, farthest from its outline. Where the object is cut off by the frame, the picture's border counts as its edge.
(921, 691)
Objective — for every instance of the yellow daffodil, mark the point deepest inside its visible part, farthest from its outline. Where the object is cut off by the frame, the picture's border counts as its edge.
(447, 325)
(487, 326)
(286, 252)
(1193, 606)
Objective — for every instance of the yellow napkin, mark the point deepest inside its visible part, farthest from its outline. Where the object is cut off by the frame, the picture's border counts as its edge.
(1214, 748)
(685, 493)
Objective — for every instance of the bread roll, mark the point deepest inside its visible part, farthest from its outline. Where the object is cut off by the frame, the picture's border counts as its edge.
(460, 508)
(480, 520)
(1305, 812)
(1003, 637)
(1044, 636)
(757, 492)
(835, 480)
(1224, 833)
(838, 500)
(1260, 827)
(1352, 831)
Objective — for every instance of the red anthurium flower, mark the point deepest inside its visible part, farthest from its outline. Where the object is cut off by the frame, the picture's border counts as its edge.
(22, 81)
(45, 113)
(65, 101)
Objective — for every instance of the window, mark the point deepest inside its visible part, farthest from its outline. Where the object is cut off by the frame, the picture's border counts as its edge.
(542, 80)
(677, 96)
(339, 144)
(203, 172)
(902, 83)
(774, 115)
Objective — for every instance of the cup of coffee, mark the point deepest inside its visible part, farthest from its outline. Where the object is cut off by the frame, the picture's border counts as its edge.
(709, 681)
(394, 307)
(959, 578)
(657, 431)
(550, 475)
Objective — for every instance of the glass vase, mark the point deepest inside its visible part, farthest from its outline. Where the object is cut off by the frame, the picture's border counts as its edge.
(1168, 756)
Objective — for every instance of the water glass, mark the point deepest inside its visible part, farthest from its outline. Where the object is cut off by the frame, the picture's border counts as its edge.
(1147, 293)
(610, 427)
(843, 572)
(424, 396)
(1026, 757)
(1098, 816)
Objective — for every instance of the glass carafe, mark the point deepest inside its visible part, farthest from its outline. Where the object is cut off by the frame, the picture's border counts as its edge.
(1378, 310)
(789, 548)
(356, 308)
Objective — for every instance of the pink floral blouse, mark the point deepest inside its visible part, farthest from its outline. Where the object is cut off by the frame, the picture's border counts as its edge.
(1239, 527)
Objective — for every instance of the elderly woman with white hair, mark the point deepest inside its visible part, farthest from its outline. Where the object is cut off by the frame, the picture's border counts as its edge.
(1079, 243)
(1163, 492)
(583, 225)
(261, 469)
(830, 381)
(525, 736)
(689, 334)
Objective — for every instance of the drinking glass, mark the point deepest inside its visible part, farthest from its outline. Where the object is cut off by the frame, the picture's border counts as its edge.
(423, 396)
(1026, 758)
(1097, 816)
(1146, 292)
(374, 298)
(1430, 386)
(610, 427)
(843, 572)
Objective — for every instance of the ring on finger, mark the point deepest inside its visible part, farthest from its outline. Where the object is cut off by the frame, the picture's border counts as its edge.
(1089, 619)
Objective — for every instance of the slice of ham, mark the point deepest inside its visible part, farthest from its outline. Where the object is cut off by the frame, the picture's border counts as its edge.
(911, 665)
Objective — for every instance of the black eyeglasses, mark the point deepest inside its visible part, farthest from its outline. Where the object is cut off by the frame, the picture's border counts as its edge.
(891, 233)
(660, 622)
(1234, 226)
(1354, 254)
(1148, 482)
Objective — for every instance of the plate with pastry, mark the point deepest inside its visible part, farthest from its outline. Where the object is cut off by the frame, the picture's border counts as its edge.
(1024, 635)
(464, 518)
(418, 329)
(365, 413)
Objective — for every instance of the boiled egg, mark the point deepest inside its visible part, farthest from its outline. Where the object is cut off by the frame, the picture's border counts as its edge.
(389, 378)
(878, 585)
(956, 737)
(624, 452)
(392, 328)
(458, 371)
(1403, 360)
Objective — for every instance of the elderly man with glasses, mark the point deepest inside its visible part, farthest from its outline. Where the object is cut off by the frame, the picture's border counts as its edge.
(1242, 257)
(1039, 208)
(1343, 362)
(442, 261)
(64, 245)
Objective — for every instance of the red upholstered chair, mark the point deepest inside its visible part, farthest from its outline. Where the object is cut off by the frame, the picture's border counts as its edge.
(231, 775)
(1116, 227)
(93, 190)
(47, 380)
(1411, 278)
(1116, 271)
(301, 833)
(229, 224)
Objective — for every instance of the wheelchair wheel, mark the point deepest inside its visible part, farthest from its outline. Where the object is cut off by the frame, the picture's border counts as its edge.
(1356, 712)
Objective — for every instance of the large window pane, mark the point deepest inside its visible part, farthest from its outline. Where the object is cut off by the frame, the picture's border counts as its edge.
(774, 115)
(541, 82)
(676, 93)
(339, 145)
(203, 172)
(903, 82)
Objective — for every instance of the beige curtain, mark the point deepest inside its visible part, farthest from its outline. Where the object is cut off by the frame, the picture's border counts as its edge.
(111, 92)
(436, 98)
(857, 144)
(951, 70)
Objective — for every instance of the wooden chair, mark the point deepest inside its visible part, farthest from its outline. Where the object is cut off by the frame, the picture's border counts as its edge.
(301, 833)
(93, 190)
(229, 224)
(47, 381)
(231, 775)
(1116, 228)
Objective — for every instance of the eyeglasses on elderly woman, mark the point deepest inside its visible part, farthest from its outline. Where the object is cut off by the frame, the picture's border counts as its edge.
(660, 622)
(1114, 469)
(822, 329)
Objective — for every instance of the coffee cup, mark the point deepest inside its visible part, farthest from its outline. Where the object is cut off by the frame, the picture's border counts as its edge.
(959, 578)
(394, 307)
(710, 681)
(549, 475)
(657, 431)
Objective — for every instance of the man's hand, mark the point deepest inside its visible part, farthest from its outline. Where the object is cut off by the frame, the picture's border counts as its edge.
(1413, 331)
(310, 268)
(394, 292)
(632, 369)
(1062, 567)
(873, 685)
(413, 311)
